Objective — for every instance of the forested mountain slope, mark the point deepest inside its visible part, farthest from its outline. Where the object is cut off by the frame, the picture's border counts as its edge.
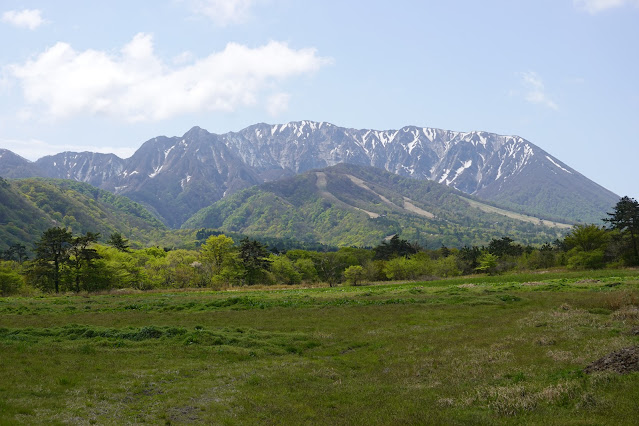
(30, 206)
(348, 205)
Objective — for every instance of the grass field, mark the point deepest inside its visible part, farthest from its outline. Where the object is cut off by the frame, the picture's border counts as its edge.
(485, 350)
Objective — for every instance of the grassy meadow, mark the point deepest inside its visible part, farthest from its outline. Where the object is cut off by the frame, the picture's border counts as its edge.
(478, 350)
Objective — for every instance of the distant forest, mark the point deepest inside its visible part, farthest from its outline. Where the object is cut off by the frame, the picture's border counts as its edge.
(63, 262)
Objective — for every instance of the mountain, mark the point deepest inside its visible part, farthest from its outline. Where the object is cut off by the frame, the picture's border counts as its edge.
(175, 177)
(348, 205)
(30, 206)
(14, 166)
(506, 169)
(90, 167)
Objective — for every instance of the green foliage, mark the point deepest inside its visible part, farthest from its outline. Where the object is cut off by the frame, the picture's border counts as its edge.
(285, 271)
(217, 253)
(330, 208)
(625, 219)
(487, 263)
(307, 270)
(354, 274)
(504, 247)
(52, 253)
(446, 267)
(586, 238)
(396, 247)
(592, 259)
(402, 268)
(29, 207)
(11, 281)
(117, 241)
(254, 258)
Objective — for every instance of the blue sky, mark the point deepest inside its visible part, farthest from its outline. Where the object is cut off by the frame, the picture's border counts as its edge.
(107, 76)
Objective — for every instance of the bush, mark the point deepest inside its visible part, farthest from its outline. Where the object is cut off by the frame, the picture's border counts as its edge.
(10, 281)
(446, 267)
(354, 274)
(578, 259)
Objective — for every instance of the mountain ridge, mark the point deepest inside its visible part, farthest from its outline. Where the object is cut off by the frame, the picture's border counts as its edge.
(177, 176)
(29, 206)
(347, 205)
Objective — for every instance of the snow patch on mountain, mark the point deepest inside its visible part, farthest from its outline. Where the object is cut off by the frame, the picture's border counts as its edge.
(555, 163)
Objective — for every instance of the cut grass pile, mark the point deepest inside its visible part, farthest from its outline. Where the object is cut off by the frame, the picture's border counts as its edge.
(482, 350)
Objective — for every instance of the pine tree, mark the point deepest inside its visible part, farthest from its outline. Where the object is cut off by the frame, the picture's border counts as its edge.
(82, 257)
(254, 256)
(117, 241)
(625, 219)
(52, 252)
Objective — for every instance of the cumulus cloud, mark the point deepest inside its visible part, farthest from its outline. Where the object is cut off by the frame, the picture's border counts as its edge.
(535, 91)
(277, 103)
(27, 18)
(596, 6)
(136, 85)
(223, 12)
(33, 149)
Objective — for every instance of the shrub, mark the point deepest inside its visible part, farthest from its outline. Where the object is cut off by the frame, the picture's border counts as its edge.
(10, 281)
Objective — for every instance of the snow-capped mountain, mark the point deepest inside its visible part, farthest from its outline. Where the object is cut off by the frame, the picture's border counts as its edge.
(177, 176)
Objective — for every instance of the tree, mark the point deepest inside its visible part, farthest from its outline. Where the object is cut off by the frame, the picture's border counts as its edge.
(254, 257)
(396, 247)
(504, 247)
(487, 263)
(625, 218)
(284, 270)
(10, 280)
(52, 252)
(117, 241)
(354, 274)
(586, 238)
(468, 258)
(586, 245)
(15, 252)
(82, 257)
(216, 253)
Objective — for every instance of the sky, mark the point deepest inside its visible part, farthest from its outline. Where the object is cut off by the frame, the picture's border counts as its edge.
(105, 76)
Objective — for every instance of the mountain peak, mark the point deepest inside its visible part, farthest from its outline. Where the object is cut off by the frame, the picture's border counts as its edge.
(192, 171)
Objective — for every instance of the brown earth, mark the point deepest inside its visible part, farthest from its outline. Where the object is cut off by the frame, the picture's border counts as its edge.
(623, 361)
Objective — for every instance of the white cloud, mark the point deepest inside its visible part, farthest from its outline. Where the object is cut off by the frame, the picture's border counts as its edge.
(596, 6)
(27, 18)
(277, 103)
(136, 85)
(535, 91)
(223, 12)
(32, 149)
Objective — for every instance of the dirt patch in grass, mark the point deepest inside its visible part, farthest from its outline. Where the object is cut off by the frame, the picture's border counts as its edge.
(623, 361)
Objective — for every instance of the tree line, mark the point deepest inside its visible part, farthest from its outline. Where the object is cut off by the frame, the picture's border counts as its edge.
(63, 262)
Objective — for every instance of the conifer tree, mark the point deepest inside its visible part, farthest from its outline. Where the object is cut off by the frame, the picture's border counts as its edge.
(625, 219)
(52, 252)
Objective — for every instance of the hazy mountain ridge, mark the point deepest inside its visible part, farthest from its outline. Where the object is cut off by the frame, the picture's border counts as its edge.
(175, 177)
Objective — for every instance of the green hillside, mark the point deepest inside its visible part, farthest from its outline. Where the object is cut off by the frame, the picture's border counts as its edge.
(349, 205)
(30, 206)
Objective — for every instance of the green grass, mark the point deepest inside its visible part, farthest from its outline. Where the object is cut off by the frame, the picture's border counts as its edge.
(479, 350)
